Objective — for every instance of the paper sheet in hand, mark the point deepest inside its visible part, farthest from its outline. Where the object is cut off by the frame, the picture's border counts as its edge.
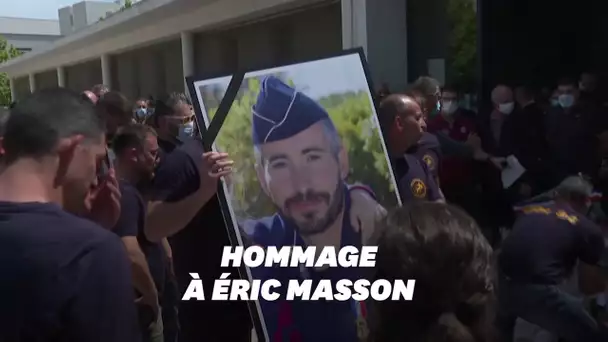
(512, 172)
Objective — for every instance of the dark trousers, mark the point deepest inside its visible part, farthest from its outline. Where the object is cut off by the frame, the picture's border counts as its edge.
(207, 321)
(169, 304)
(548, 307)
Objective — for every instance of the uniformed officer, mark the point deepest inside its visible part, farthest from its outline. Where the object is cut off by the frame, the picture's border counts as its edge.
(403, 125)
(302, 167)
(540, 254)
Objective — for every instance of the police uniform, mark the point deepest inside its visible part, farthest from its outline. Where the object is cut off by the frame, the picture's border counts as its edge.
(536, 258)
(414, 179)
(280, 113)
(429, 151)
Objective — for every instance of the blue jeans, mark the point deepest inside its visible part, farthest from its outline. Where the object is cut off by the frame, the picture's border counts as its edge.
(548, 307)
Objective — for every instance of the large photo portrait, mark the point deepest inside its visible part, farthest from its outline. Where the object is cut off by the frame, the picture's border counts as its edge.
(311, 169)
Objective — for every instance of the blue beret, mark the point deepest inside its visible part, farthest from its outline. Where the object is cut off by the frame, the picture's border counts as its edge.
(281, 112)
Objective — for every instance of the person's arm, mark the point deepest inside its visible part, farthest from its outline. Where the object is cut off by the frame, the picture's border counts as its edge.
(127, 229)
(177, 196)
(102, 308)
(142, 279)
(592, 246)
(453, 148)
(181, 189)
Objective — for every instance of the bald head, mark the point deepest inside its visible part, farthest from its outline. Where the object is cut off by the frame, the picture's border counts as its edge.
(87, 94)
(394, 105)
(502, 94)
(402, 121)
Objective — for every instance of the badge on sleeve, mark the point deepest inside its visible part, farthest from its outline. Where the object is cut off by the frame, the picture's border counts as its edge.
(418, 188)
(429, 161)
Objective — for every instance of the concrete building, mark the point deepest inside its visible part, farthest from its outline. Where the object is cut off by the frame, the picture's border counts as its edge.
(82, 14)
(149, 48)
(29, 34)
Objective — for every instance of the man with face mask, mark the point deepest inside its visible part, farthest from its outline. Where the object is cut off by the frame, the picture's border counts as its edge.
(455, 174)
(571, 133)
(64, 278)
(174, 120)
(530, 146)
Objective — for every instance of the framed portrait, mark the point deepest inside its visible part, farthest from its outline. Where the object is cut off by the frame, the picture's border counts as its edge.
(311, 169)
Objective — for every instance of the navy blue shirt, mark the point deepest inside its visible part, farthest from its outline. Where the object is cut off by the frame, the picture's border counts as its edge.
(63, 278)
(414, 179)
(198, 247)
(131, 223)
(429, 151)
(546, 242)
(305, 321)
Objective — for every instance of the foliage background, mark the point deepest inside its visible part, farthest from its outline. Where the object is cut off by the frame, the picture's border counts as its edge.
(6, 52)
(351, 113)
(463, 71)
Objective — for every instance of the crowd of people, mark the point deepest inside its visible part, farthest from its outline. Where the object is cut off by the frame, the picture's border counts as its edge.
(107, 206)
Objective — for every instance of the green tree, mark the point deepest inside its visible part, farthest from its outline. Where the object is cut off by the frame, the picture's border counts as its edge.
(462, 17)
(350, 113)
(7, 52)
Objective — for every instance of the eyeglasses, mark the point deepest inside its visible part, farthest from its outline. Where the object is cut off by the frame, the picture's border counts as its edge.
(183, 119)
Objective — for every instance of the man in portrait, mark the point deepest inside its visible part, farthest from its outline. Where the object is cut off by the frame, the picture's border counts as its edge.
(302, 166)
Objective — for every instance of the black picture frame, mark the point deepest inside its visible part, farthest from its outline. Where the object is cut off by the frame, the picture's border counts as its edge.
(208, 133)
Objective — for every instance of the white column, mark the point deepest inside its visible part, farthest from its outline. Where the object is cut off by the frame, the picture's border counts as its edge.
(187, 56)
(380, 28)
(106, 70)
(60, 77)
(32, 83)
(11, 83)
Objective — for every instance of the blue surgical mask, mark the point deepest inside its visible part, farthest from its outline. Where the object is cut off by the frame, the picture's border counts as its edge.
(186, 130)
(566, 100)
(141, 112)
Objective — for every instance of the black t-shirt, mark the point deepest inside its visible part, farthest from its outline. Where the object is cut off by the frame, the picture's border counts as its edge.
(198, 247)
(546, 242)
(131, 223)
(414, 180)
(63, 278)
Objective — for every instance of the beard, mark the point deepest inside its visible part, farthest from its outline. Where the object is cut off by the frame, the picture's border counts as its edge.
(311, 224)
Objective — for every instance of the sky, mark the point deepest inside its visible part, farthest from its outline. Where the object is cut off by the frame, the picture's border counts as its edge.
(319, 78)
(39, 9)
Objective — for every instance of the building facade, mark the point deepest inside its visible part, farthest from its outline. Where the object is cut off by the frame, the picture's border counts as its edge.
(29, 34)
(149, 48)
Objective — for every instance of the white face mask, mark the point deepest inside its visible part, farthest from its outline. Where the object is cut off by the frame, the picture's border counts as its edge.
(566, 100)
(186, 130)
(506, 108)
(449, 107)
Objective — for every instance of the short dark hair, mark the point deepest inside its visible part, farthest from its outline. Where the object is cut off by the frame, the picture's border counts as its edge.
(443, 249)
(425, 85)
(116, 104)
(132, 135)
(567, 81)
(450, 89)
(37, 123)
(526, 91)
(169, 103)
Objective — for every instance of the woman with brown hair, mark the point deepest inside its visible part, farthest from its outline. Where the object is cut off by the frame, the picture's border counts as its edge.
(442, 248)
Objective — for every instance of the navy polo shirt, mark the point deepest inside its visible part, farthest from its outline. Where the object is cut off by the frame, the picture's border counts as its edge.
(429, 151)
(131, 223)
(198, 247)
(546, 242)
(414, 179)
(64, 278)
